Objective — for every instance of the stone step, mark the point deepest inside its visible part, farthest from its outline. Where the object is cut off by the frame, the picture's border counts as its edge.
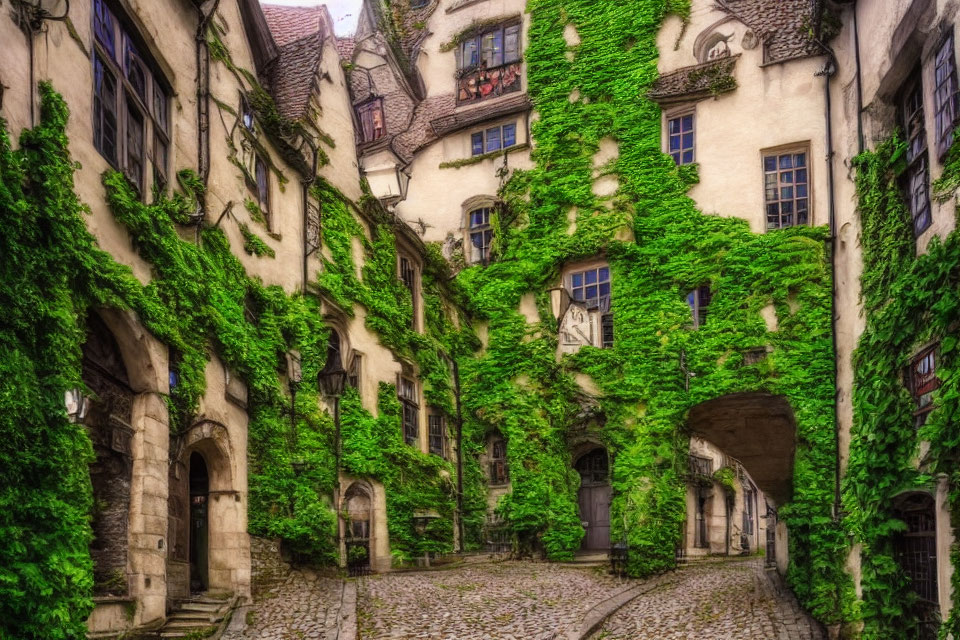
(201, 617)
(202, 606)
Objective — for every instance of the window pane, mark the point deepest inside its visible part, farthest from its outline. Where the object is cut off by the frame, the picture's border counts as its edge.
(688, 157)
(160, 105)
(786, 193)
(770, 163)
(687, 123)
(577, 279)
(493, 139)
(263, 184)
(591, 276)
(134, 164)
(676, 157)
(590, 293)
(509, 135)
(604, 274)
(801, 191)
(469, 55)
(800, 160)
(491, 49)
(103, 26)
(476, 143)
(687, 140)
(105, 111)
(511, 44)
(674, 143)
(605, 289)
(134, 69)
(673, 126)
(787, 177)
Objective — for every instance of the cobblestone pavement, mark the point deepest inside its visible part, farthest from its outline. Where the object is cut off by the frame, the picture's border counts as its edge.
(498, 601)
(299, 606)
(712, 600)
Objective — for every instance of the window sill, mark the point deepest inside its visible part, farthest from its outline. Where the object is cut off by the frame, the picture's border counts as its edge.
(463, 162)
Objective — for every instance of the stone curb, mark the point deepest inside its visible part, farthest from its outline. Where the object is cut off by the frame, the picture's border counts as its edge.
(347, 620)
(599, 612)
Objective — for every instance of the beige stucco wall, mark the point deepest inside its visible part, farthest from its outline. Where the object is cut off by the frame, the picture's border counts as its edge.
(779, 105)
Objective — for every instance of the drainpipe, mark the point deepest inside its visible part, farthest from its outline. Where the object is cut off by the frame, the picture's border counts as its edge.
(856, 51)
(203, 96)
(456, 388)
(307, 182)
(827, 73)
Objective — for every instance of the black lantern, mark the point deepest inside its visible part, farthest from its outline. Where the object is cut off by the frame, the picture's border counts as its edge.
(332, 378)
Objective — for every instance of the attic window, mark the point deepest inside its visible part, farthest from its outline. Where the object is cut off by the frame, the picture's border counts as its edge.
(371, 120)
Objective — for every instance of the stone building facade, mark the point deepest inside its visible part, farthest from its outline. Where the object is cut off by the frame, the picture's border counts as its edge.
(417, 121)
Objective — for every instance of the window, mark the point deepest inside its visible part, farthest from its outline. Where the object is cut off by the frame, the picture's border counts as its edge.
(700, 466)
(489, 63)
(499, 471)
(699, 301)
(700, 539)
(438, 434)
(606, 331)
(262, 178)
(481, 235)
(916, 179)
(592, 287)
(493, 139)
(680, 138)
(407, 392)
(371, 120)
(945, 96)
(131, 126)
(246, 113)
(922, 381)
(353, 375)
(786, 189)
(408, 276)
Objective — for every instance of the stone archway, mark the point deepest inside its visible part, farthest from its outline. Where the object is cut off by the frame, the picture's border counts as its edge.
(594, 498)
(359, 537)
(759, 430)
(207, 518)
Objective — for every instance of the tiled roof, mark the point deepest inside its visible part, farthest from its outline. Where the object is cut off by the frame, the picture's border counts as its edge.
(782, 25)
(710, 78)
(420, 133)
(292, 75)
(288, 24)
(448, 123)
(345, 47)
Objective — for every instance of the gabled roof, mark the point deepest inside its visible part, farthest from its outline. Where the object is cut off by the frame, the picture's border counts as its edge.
(696, 81)
(300, 33)
(782, 25)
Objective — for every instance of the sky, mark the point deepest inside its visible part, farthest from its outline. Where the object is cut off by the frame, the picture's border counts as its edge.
(345, 12)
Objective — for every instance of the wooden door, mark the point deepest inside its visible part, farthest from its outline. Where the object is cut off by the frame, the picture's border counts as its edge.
(595, 512)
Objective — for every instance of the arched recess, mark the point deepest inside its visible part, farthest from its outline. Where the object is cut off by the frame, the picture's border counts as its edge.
(144, 356)
(211, 500)
(359, 542)
(756, 428)
(594, 494)
(916, 554)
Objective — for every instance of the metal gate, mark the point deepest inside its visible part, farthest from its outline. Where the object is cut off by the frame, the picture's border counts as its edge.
(916, 552)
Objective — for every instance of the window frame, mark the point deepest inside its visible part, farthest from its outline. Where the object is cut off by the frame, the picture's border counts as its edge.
(778, 153)
(409, 396)
(945, 56)
(120, 58)
(410, 279)
(437, 442)
(698, 310)
(371, 107)
(483, 230)
(678, 159)
(921, 388)
(595, 302)
(476, 43)
(484, 139)
(499, 467)
(262, 191)
(915, 181)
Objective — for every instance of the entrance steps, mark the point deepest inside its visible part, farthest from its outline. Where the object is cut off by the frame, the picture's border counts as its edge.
(197, 617)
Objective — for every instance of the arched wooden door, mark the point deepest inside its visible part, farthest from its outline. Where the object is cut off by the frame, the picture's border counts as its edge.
(594, 498)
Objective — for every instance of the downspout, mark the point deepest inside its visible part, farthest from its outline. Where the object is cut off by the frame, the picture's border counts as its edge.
(828, 71)
(203, 98)
(856, 52)
(456, 388)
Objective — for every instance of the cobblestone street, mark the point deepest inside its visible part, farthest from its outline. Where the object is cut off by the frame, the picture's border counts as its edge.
(712, 600)
(509, 600)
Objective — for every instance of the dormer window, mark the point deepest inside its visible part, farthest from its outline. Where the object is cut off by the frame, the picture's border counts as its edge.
(371, 120)
(489, 63)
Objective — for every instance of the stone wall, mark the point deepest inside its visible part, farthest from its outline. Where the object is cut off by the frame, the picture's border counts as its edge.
(267, 565)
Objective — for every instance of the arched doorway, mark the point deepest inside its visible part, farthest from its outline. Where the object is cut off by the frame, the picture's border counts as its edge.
(199, 524)
(358, 529)
(594, 499)
(916, 553)
(108, 424)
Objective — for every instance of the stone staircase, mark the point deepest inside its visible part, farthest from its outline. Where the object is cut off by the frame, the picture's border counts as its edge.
(197, 617)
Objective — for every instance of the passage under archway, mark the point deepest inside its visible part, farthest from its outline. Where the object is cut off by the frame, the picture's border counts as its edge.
(759, 430)
(199, 523)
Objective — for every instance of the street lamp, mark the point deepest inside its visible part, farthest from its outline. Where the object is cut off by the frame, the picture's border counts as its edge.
(77, 404)
(331, 381)
(294, 378)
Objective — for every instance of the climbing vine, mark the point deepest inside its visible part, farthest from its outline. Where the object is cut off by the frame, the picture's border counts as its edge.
(909, 300)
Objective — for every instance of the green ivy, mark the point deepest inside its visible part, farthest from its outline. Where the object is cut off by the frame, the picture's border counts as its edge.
(908, 301)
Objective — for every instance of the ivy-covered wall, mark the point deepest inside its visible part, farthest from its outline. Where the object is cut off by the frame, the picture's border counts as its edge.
(659, 247)
(908, 301)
